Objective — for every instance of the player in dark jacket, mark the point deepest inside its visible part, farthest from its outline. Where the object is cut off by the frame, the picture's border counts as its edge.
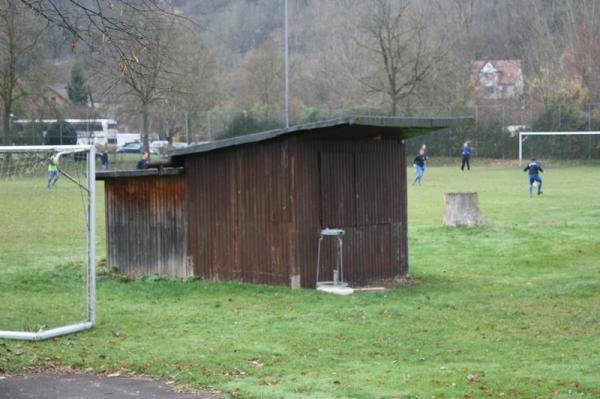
(419, 163)
(534, 168)
(466, 156)
(143, 163)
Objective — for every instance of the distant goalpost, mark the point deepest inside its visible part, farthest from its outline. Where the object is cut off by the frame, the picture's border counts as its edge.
(523, 136)
(34, 165)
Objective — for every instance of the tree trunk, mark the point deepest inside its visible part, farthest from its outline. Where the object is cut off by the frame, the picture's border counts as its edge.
(145, 142)
(5, 138)
(462, 209)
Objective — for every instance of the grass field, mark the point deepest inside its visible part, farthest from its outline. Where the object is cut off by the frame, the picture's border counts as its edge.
(511, 310)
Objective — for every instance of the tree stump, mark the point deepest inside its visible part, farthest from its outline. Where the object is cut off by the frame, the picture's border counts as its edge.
(462, 209)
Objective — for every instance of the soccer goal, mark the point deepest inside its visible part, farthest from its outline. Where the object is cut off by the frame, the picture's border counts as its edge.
(523, 136)
(47, 241)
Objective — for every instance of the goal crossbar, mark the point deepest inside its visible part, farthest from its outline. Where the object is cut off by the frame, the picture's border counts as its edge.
(90, 282)
(523, 136)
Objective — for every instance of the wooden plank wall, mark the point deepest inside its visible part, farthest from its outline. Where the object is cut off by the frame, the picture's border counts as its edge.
(145, 226)
(360, 186)
(241, 219)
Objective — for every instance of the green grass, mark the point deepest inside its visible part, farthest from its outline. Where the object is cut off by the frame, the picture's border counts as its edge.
(515, 306)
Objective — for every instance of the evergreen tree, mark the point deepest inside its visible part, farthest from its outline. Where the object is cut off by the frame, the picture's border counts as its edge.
(77, 91)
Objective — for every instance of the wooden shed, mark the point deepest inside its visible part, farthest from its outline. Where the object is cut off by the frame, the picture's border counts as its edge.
(250, 208)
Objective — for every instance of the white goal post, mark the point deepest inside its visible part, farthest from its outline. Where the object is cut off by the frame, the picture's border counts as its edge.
(90, 277)
(523, 136)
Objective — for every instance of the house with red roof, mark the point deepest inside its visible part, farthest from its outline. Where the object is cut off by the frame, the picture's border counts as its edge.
(497, 79)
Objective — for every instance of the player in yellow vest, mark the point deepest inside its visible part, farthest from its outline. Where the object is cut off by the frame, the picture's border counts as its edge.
(52, 170)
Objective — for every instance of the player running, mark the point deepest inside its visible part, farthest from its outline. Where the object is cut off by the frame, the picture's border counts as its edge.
(534, 168)
(419, 164)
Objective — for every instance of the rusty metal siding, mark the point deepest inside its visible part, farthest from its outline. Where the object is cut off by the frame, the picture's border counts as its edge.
(401, 230)
(240, 213)
(145, 226)
(337, 189)
(375, 241)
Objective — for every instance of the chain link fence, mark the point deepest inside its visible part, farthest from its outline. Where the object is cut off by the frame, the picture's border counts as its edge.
(493, 134)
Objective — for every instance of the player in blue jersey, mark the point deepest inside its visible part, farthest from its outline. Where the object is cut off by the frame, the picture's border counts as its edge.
(419, 163)
(466, 155)
(534, 168)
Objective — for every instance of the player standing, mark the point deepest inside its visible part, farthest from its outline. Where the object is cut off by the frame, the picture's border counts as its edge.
(52, 170)
(419, 164)
(534, 168)
(466, 155)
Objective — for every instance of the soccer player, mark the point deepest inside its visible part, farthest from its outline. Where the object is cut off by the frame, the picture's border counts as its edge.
(52, 170)
(143, 163)
(419, 164)
(466, 155)
(104, 159)
(534, 168)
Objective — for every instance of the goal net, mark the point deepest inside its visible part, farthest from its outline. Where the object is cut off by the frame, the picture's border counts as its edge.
(577, 146)
(47, 241)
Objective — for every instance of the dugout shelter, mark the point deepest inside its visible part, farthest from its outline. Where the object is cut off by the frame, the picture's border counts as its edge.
(250, 208)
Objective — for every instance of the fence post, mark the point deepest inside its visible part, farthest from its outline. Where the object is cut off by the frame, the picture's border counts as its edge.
(559, 116)
(589, 114)
(503, 128)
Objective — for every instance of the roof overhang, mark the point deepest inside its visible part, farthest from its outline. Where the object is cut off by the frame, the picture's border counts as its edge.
(105, 175)
(400, 128)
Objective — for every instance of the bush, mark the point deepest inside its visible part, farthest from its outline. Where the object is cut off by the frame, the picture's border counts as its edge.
(243, 124)
(30, 134)
(60, 133)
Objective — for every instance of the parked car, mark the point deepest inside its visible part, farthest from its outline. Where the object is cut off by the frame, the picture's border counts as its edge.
(130, 148)
(158, 146)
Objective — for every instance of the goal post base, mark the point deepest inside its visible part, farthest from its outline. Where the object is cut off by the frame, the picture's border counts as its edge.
(46, 334)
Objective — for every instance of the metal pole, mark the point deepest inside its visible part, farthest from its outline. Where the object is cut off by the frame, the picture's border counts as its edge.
(589, 128)
(520, 149)
(503, 128)
(91, 237)
(287, 68)
(187, 127)
(209, 126)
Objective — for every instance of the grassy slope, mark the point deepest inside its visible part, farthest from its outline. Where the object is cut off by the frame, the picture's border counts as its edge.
(516, 305)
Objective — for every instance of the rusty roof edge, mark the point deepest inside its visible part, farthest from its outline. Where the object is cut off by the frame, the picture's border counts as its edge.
(428, 124)
(104, 175)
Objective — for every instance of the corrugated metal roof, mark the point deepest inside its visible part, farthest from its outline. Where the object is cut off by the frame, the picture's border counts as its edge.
(407, 127)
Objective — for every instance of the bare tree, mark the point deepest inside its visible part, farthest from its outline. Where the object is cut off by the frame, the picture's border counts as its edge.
(395, 33)
(140, 71)
(259, 86)
(99, 24)
(19, 36)
(195, 88)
